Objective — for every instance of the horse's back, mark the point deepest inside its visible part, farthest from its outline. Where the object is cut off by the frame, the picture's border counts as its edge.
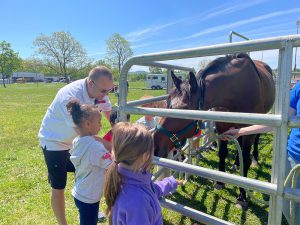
(240, 85)
(267, 84)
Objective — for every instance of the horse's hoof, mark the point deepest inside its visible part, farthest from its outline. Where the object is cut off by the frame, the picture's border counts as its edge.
(219, 186)
(254, 163)
(242, 205)
(235, 168)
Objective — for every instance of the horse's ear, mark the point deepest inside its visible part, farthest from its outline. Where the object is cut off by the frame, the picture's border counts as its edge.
(176, 80)
(193, 82)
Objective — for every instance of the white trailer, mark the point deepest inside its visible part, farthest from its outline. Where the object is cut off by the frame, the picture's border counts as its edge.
(156, 81)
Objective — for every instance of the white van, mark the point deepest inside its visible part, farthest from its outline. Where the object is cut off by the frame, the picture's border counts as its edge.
(156, 81)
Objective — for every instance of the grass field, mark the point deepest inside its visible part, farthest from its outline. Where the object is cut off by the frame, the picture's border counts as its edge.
(25, 193)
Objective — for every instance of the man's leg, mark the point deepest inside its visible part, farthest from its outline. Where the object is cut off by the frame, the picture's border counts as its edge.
(58, 205)
(58, 163)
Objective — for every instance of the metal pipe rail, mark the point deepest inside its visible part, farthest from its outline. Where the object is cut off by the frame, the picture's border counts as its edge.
(192, 213)
(285, 45)
(292, 194)
(148, 100)
(232, 117)
(166, 66)
(237, 34)
(245, 46)
(294, 121)
(247, 183)
(221, 49)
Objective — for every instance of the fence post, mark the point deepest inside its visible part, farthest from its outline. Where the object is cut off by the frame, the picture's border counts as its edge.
(169, 81)
(281, 133)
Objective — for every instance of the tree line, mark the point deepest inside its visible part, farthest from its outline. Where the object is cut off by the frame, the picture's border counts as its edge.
(61, 54)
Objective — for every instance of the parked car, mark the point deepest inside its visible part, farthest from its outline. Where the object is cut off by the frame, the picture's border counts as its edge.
(21, 80)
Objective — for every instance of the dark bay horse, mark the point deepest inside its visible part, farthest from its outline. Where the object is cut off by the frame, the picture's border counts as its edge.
(234, 83)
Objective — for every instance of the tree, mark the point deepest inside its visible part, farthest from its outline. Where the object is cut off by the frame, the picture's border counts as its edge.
(61, 52)
(35, 65)
(155, 70)
(118, 50)
(9, 60)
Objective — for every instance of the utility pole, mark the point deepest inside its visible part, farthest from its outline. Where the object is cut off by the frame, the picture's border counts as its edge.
(295, 67)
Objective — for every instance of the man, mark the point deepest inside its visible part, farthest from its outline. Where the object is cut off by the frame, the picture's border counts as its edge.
(58, 130)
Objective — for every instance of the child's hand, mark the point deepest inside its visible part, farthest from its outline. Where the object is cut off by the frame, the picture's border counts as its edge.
(97, 138)
(106, 144)
(180, 182)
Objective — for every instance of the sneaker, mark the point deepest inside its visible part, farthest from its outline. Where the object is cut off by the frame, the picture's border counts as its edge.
(101, 217)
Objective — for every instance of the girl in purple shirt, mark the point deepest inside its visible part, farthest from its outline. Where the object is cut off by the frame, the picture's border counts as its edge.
(131, 196)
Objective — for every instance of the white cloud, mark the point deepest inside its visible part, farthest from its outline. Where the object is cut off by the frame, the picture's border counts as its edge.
(224, 9)
(223, 27)
(237, 24)
(147, 32)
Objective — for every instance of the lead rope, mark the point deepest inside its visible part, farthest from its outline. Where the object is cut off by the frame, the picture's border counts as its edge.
(235, 141)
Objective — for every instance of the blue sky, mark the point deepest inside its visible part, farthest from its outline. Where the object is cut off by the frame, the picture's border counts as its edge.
(150, 26)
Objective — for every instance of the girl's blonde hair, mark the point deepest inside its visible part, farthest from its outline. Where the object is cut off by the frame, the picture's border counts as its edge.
(130, 142)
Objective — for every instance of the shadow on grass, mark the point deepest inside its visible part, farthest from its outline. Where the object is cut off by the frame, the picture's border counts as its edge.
(263, 171)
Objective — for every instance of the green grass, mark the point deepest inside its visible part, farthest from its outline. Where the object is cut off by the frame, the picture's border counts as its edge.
(24, 189)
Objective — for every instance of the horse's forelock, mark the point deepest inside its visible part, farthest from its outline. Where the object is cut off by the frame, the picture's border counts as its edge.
(176, 96)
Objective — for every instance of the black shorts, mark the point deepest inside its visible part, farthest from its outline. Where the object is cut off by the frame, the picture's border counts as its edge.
(58, 164)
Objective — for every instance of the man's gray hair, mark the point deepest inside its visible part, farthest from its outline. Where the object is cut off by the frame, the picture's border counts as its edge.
(100, 71)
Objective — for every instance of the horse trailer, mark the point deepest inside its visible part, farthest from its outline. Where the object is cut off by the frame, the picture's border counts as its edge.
(156, 81)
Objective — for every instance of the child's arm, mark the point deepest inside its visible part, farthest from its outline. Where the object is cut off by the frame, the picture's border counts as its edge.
(106, 143)
(165, 186)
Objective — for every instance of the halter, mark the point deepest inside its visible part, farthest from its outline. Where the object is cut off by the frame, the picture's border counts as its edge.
(175, 137)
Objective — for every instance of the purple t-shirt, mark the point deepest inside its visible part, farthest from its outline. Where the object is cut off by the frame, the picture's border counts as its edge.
(137, 202)
(294, 138)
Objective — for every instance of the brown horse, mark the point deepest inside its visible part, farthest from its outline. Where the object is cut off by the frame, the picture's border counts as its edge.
(233, 83)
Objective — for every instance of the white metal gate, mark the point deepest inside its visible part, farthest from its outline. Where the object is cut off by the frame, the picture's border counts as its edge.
(279, 119)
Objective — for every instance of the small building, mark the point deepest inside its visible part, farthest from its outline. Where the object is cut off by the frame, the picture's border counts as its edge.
(28, 77)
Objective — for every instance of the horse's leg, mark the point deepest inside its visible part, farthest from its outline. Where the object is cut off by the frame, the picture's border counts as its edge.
(223, 152)
(255, 151)
(247, 142)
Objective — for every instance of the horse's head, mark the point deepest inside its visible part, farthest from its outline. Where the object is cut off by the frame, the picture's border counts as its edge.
(172, 131)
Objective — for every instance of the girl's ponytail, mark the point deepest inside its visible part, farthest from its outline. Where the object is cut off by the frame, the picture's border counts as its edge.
(112, 187)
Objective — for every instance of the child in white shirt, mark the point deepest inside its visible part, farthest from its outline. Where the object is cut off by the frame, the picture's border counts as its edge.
(90, 159)
(148, 121)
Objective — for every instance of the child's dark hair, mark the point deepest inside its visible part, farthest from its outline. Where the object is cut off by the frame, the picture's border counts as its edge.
(80, 112)
(114, 115)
